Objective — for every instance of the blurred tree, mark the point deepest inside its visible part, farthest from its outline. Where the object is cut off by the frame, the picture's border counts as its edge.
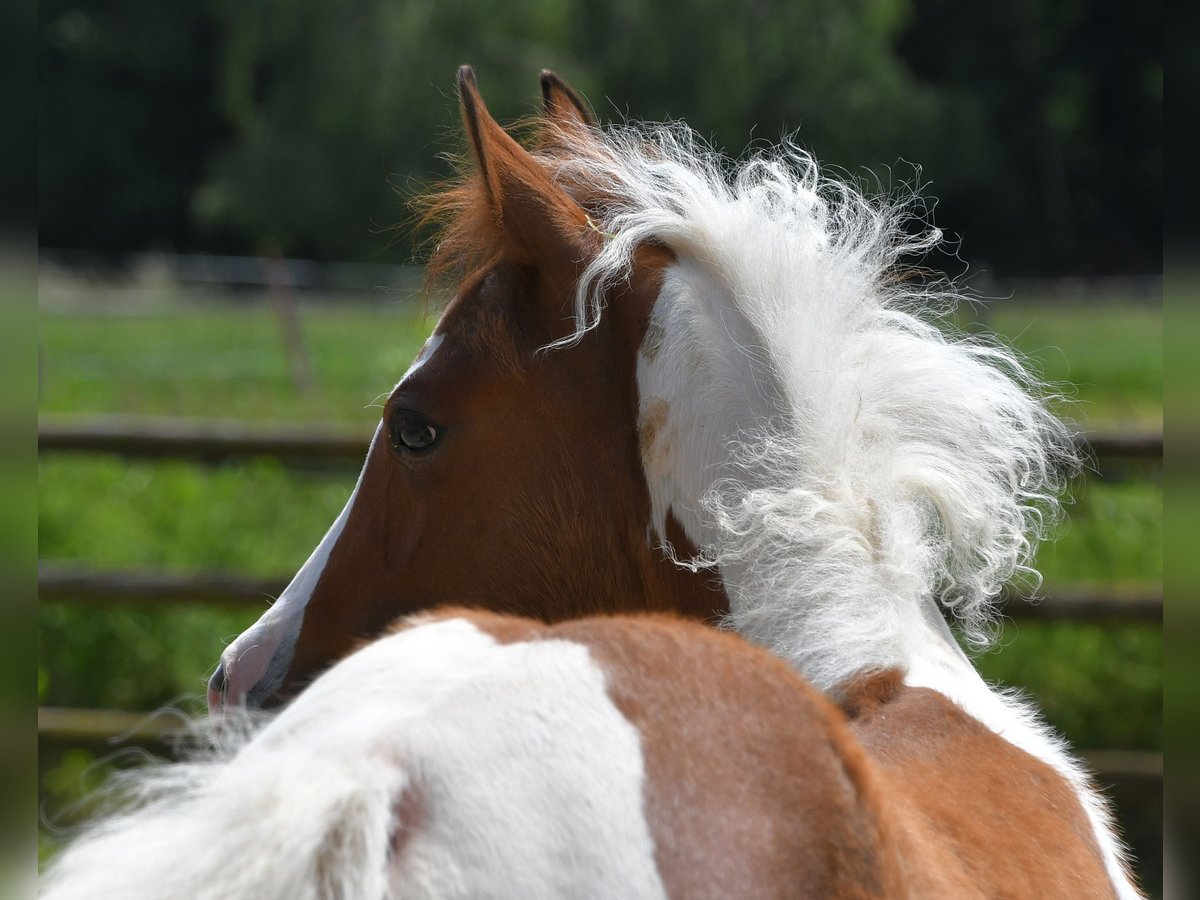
(18, 153)
(262, 124)
(331, 101)
(759, 70)
(127, 121)
(1048, 153)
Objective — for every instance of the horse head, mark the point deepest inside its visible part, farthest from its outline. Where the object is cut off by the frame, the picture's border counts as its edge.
(505, 473)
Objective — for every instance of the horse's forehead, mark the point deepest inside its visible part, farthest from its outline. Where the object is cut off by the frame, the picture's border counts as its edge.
(485, 314)
(482, 295)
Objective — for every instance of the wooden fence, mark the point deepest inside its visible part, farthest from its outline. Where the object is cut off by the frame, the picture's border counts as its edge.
(217, 440)
(1078, 603)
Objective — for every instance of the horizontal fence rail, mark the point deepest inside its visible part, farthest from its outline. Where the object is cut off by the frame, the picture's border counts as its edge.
(217, 440)
(213, 440)
(141, 588)
(56, 583)
(225, 271)
(201, 270)
(100, 728)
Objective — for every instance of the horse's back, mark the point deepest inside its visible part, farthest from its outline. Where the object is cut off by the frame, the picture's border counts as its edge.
(754, 786)
(639, 756)
(469, 754)
(474, 755)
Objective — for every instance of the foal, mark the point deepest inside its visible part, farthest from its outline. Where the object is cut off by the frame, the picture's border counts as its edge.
(670, 383)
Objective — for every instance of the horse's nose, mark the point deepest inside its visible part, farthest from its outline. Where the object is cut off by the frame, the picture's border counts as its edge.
(218, 687)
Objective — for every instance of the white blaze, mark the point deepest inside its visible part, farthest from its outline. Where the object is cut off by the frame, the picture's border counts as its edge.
(258, 660)
(426, 354)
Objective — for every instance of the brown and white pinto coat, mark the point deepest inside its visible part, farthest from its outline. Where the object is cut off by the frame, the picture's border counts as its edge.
(548, 483)
(468, 754)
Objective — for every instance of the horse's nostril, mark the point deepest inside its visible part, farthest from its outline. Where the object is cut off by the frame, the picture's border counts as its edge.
(218, 687)
(217, 682)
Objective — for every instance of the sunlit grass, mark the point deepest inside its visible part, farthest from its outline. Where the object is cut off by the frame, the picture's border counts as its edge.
(1108, 357)
(227, 362)
(257, 518)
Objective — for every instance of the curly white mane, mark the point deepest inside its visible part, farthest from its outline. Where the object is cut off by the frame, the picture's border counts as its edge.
(887, 457)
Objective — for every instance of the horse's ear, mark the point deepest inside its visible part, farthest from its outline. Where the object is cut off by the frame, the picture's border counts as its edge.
(562, 105)
(542, 220)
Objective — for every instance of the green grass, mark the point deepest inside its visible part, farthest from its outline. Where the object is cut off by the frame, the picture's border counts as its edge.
(1109, 358)
(254, 519)
(257, 518)
(1112, 534)
(226, 362)
(1099, 686)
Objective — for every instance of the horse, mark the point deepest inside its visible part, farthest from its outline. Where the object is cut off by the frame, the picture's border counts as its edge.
(467, 753)
(671, 382)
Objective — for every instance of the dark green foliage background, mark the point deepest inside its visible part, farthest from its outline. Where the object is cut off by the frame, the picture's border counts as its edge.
(265, 125)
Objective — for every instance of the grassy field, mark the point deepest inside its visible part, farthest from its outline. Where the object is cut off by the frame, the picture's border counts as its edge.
(1102, 686)
(226, 361)
(1107, 358)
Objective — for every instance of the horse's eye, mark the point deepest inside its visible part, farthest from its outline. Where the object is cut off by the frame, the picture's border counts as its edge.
(412, 433)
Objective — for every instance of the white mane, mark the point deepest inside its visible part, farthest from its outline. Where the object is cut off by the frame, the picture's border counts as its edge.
(887, 461)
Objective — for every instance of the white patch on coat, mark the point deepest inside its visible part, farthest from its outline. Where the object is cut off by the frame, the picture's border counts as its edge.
(429, 348)
(518, 775)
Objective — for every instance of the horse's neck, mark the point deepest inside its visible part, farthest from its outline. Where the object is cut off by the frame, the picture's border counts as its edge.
(935, 660)
(698, 391)
(704, 383)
